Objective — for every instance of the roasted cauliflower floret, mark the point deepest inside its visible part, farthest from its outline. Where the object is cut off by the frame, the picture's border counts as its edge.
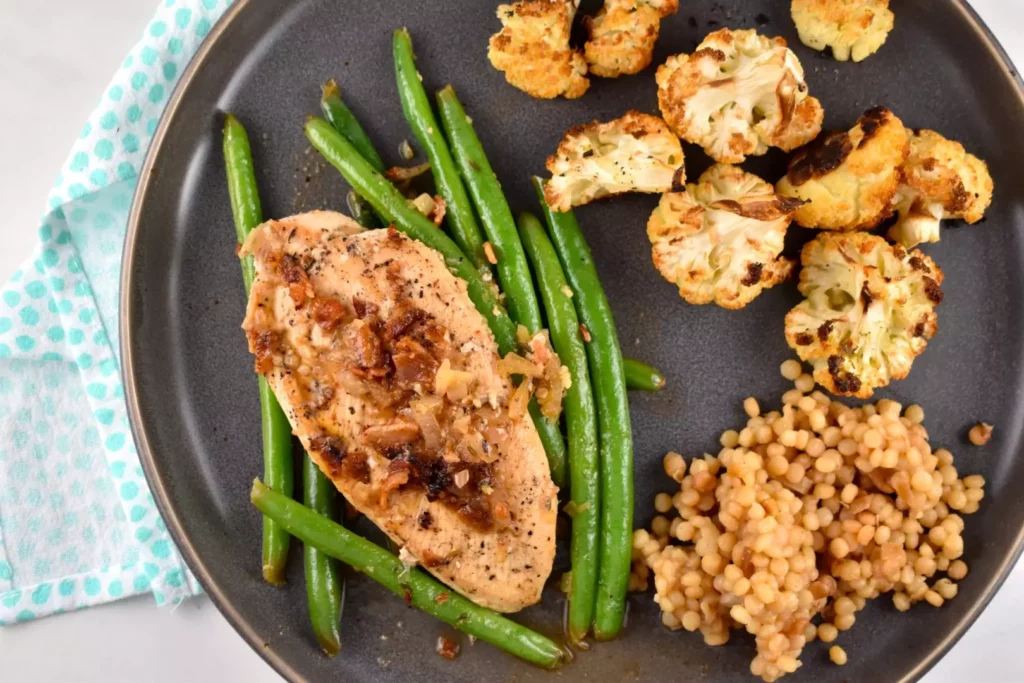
(737, 95)
(852, 28)
(940, 179)
(869, 311)
(533, 50)
(720, 240)
(849, 179)
(622, 35)
(634, 153)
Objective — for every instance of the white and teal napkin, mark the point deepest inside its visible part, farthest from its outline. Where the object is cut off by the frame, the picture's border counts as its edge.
(78, 526)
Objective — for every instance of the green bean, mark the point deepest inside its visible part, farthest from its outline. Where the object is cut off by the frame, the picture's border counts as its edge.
(279, 473)
(361, 210)
(389, 203)
(459, 214)
(245, 197)
(418, 589)
(491, 206)
(346, 123)
(500, 227)
(277, 433)
(581, 423)
(641, 376)
(324, 586)
(613, 415)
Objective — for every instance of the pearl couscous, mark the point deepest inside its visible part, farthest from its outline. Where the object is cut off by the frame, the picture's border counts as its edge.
(806, 513)
(980, 434)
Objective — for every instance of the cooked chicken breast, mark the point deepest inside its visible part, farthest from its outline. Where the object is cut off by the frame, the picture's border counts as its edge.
(390, 379)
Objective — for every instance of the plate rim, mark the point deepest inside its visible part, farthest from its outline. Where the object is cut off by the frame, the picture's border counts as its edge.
(172, 518)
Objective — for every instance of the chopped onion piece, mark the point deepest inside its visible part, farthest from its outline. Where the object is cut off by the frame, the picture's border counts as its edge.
(519, 401)
(514, 364)
(405, 150)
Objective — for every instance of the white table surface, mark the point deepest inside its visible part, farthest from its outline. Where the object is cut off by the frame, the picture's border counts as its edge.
(55, 72)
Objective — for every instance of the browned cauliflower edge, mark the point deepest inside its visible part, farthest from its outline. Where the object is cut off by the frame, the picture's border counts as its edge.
(849, 179)
(533, 51)
(939, 180)
(719, 240)
(737, 95)
(852, 28)
(633, 153)
(623, 34)
(869, 310)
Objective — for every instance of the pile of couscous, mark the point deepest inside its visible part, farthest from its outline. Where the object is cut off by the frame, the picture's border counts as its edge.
(806, 512)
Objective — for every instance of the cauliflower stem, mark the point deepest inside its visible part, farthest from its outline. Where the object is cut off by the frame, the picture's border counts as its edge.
(940, 180)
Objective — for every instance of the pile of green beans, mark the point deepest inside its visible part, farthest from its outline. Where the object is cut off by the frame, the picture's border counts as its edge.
(616, 437)
(597, 462)
(277, 433)
(459, 214)
(495, 214)
(419, 589)
(581, 425)
(513, 269)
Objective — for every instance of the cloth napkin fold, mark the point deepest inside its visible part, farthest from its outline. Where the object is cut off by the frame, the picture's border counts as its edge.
(78, 525)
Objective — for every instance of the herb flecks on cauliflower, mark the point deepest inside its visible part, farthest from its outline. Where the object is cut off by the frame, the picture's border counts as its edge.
(939, 180)
(623, 34)
(634, 153)
(852, 28)
(869, 311)
(737, 95)
(720, 240)
(533, 49)
(849, 179)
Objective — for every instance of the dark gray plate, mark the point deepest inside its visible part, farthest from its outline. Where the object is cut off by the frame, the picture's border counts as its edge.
(189, 377)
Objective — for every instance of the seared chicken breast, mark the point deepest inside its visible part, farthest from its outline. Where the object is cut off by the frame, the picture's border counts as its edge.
(390, 378)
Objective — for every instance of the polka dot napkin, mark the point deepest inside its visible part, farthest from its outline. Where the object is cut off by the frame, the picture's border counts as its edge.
(78, 526)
